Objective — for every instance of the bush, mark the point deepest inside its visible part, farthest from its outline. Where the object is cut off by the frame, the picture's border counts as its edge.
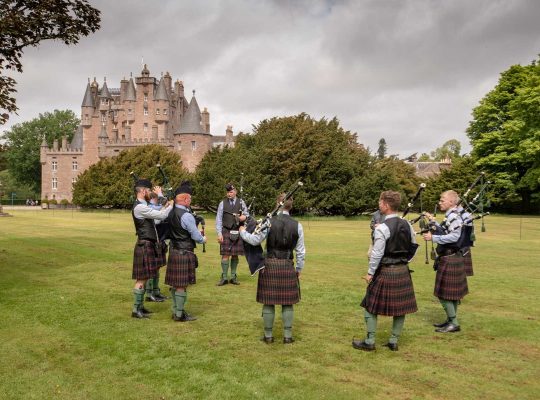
(53, 202)
(44, 201)
(64, 202)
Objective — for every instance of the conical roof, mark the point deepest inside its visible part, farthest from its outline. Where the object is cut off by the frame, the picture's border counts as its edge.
(88, 100)
(131, 94)
(161, 92)
(103, 133)
(77, 141)
(105, 91)
(192, 119)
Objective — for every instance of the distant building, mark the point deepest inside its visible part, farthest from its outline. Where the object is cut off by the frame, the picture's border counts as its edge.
(142, 111)
(428, 169)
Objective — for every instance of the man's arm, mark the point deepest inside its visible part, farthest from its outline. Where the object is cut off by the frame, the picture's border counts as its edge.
(253, 239)
(300, 250)
(219, 219)
(142, 212)
(188, 223)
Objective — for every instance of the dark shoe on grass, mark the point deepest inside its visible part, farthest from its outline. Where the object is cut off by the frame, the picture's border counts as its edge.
(234, 281)
(392, 346)
(442, 324)
(362, 345)
(138, 314)
(154, 299)
(267, 340)
(222, 282)
(185, 317)
(159, 296)
(145, 311)
(450, 328)
(288, 340)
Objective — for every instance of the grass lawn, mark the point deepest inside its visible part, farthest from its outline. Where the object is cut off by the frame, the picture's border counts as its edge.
(66, 330)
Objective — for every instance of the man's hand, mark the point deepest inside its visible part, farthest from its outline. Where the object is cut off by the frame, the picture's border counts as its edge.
(157, 190)
(368, 278)
(429, 216)
(204, 238)
(220, 239)
(298, 273)
(170, 203)
(241, 228)
(427, 236)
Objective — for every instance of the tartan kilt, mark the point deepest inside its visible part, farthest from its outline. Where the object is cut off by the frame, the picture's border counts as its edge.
(162, 255)
(467, 263)
(181, 268)
(451, 281)
(278, 283)
(229, 248)
(145, 260)
(391, 292)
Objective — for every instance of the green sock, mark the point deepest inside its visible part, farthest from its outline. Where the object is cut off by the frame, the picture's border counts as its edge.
(181, 299)
(173, 297)
(448, 306)
(268, 314)
(224, 268)
(234, 265)
(371, 325)
(287, 315)
(149, 287)
(155, 285)
(138, 295)
(397, 327)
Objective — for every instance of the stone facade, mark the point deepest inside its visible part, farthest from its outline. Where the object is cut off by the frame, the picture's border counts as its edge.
(142, 111)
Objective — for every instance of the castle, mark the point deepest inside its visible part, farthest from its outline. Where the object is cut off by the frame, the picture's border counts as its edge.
(142, 111)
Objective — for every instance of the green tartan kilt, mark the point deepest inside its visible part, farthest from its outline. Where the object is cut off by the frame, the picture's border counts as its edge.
(230, 248)
(145, 260)
(181, 268)
(467, 263)
(451, 281)
(278, 283)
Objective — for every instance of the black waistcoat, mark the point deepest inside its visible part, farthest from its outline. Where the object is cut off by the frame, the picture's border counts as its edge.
(180, 237)
(282, 238)
(145, 228)
(448, 248)
(396, 250)
(229, 221)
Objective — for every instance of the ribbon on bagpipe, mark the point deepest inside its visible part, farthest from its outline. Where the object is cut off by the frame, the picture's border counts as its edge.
(254, 254)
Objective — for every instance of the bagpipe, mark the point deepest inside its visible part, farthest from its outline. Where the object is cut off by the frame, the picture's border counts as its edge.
(254, 254)
(410, 204)
(167, 188)
(477, 203)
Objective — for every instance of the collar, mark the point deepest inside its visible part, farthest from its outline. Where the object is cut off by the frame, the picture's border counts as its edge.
(142, 201)
(393, 215)
(181, 207)
(450, 211)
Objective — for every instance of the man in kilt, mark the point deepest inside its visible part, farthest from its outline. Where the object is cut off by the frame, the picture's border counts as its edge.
(390, 289)
(147, 248)
(182, 259)
(451, 279)
(232, 211)
(279, 280)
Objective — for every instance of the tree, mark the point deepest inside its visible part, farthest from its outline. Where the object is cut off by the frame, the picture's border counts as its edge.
(449, 150)
(3, 156)
(381, 151)
(26, 23)
(108, 183)
(24, 141)
(505, 135)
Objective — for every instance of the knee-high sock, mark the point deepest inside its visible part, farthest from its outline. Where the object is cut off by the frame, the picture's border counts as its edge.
(287, 315)
(138, 296)
(268, 314)
(155, 284)
(181, 299)
(371, 326)
(234, 265)
(149, 286)
(450, 310)
(173, 298)
(397, 327)
(224, 268)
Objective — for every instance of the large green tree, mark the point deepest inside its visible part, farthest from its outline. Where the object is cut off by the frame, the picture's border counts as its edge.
(108, 183)
(26, 23)
(505, 135)
(24, 141)
(449, 150)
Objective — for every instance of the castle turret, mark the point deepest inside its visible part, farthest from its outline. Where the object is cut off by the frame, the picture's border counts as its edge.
(191, 123)
(87, 107)
(130, 99)
(205, 116)
(104, 97)
(161, 102)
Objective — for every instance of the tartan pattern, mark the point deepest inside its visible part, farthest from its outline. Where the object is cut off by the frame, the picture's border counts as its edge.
(467, 263)
(181, 268)
(278, 283)
(391, 292)
(451, 281)
(162, 255)
(228, 248)
(145, 260)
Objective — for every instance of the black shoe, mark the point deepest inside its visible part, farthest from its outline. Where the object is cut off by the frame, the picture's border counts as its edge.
(362, 345)
(448, 328)
(145, 311)
(138, 314)
(153, 298)
(160, 296)
(267, 340)
(287, 340)
(222, 282)
(234, 281)
(442, 324)
(392, 346)
(185, 317)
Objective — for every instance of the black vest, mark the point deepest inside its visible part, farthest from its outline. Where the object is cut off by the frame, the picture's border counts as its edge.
(229, 222)
(145, 228)
(180, 237)
(449, 248)
(282, 238)
(398, 245)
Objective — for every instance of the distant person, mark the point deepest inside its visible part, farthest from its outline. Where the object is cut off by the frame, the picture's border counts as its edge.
(390, 288)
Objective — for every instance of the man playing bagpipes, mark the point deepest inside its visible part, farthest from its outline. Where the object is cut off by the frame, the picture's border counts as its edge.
(390, 289)
(232, 211)
(278, 282)
(451, 280)
(147, 250)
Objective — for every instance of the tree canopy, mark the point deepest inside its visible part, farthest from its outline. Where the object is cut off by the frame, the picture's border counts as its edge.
(26, 23)
(24, 141)
(381, 151)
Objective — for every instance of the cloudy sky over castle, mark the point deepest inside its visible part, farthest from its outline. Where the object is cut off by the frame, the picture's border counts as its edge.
(406, 71)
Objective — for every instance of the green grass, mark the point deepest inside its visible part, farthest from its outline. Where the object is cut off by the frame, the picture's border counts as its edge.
(66, 331)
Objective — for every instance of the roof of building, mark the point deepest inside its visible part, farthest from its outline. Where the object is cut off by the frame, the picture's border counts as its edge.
(191, 123)
(88, 100)
(131, 94)
(161, 91)
(105, 91)
(103, 133)
(77, 140)
(429, 169)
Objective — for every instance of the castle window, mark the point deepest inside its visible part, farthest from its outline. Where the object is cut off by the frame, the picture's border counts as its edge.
(145, 127)
(130, 111)
(193, 145)
(157, 111)
(73, 180)
(146, 97)
(145, 111)
(86, 119)
(74, 165)
(103, 117)
(54, 165)
(164, 111)
(55, 183)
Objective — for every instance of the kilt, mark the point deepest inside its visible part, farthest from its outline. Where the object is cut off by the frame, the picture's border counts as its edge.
(181, 268)
(229, 248)
(467, 263)
(391, 292)
(145, 260)
(162, 255)
(278, 283)
(451, 281)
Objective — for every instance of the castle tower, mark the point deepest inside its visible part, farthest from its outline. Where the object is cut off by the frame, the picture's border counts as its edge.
(161, 107)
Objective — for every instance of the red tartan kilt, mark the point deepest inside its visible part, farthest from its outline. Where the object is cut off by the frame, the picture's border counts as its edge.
(181, 268)
(278, 283)
(467, 263)
(451, 281)
(391, 292)
(145, 261)
(162, 256)
(228, 248)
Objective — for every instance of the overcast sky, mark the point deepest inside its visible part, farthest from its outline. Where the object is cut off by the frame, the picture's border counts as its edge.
(406, 71)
